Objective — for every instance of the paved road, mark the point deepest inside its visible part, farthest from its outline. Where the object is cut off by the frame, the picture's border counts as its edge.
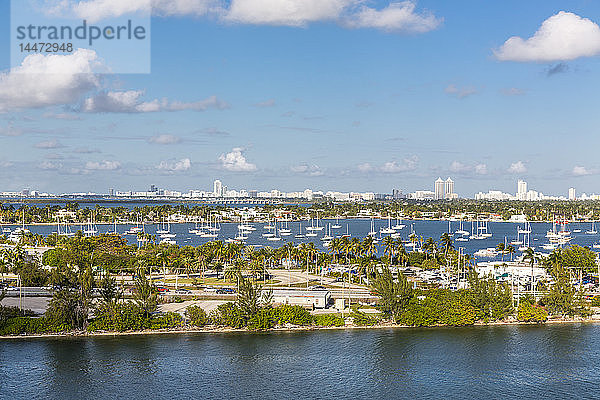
(36, 304)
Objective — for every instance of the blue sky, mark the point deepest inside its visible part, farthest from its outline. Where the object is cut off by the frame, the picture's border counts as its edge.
(342, 102)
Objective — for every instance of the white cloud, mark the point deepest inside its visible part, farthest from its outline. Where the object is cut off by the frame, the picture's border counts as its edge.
(164, 139)
(365, 167)
(459, 167)
(581, 171)
(408, 164)
(397, 17)
(564, 36)
(175, 166)
(235, 161)
(460, 92)
(48, 80)
(102, 166)
(517, 168)
(49, 144)
(285, 12)
(130, 101)
(481, 169)
(96, 10)
(50, 166)
(311, 170)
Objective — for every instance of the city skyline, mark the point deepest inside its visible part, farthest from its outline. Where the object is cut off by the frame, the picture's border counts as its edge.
(371, 98)
(442, 190)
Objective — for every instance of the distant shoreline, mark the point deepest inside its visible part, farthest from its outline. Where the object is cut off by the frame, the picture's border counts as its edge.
(217, 330)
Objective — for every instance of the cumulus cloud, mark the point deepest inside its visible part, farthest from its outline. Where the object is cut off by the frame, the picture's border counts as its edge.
(396, 17)
(408, 164)
(579, 170)
(175, 166)
(235, 161)
(459, 168)
(96, 10)
(564, 36)
(50, 166)
(49, 144)
(102, 165)
(399, 16)
(311, 170)
(481, 169)
(164, 139)
(517, 168)
(130, 101)
(48, 80)
(460, 92)
(284, 12)
(365, 167)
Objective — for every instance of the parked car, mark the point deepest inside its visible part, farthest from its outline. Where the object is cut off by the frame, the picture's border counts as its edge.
(318, 287)
(162, 289)
(182, 291)
(210, 289)
(226, 291)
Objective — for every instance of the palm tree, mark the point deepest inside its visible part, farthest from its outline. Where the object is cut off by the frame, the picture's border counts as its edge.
(529, 254)
(510, 249)
(501, 248)
(389, 248)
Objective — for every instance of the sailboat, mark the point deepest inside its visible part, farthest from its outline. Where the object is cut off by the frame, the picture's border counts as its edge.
(592, 230)
(300, 235)
(347, 235)
(337, 223)
(460, 230)
(389, 229)
(284, 230)
(327, 236)
(274, 238)
(399, 225)
(372, 232)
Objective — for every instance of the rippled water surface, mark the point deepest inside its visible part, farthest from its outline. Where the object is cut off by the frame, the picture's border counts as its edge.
(484, 362)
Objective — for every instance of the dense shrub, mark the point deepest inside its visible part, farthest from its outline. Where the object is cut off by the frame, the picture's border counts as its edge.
(168, 320)
(363, 319)
(228, 314)
(295, 315)
(29, 325)
(264, 319)
(528, 312)
(196, 315)
(119, 317)
(328, 320)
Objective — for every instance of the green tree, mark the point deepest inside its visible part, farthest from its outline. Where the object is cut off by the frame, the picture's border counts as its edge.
(145, 294)
(393, 295)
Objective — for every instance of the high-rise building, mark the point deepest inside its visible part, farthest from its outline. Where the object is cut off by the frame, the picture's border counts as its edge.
(153, 189)
(111, 192)
(522, 190)
(572, 194)
(439, 189)
(218, 188)
(449, 189)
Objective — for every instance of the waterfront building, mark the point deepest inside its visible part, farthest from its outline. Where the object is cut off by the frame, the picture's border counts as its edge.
(218, 188)
(521, 190)
(439, 189)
